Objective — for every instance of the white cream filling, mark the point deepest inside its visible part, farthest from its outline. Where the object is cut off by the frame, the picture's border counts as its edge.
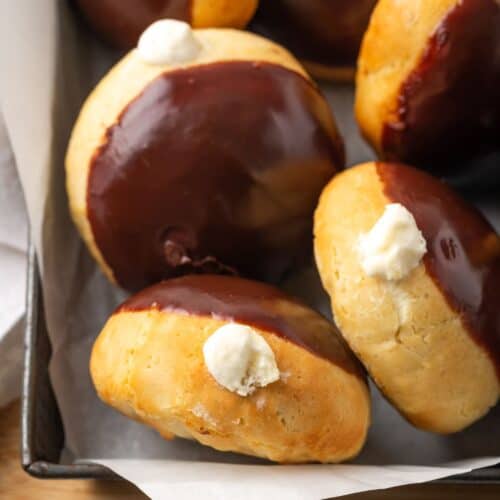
(394, 246)
(168, 42)
(240, 359)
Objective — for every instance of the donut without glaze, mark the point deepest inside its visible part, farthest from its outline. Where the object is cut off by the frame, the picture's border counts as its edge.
(428, 81)
(324, 34)
(148, 363)
(211, 166)
(431, 340)
(122, 21)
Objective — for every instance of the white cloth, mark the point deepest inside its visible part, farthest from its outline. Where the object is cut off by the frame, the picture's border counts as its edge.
(13, 245)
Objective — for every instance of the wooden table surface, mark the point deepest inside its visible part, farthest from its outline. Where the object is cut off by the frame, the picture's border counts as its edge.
(15, 484)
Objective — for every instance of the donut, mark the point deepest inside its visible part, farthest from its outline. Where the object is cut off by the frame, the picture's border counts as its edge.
(324, 34)
(121, 22)
(236, 365)
(428, 82)
(201, 151)
(412, 272)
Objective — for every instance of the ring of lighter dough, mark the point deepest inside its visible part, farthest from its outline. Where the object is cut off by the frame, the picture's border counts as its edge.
(124, 83)
(149, 365)
(385, 62)
(412, 343)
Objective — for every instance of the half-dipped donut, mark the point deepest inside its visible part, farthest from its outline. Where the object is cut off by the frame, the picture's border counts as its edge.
(206, 152)
(236, 365)
(428, 81)
(412, 272)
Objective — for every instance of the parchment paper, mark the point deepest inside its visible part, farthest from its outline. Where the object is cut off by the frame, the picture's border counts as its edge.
(52, 63)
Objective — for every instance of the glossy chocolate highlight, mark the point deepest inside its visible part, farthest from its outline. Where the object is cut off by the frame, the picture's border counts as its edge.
(251, 303)
(123, 21)
(327, 32)
(463, 250)
(448, 108)
(214, 168)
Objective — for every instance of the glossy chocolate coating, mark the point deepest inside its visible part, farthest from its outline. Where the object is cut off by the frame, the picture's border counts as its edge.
(123, 21)
(212, 168)
(251, 303)
(328, 32)
(463, 250)
(449, 106)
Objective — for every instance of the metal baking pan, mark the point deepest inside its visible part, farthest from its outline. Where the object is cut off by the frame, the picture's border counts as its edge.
(42, 433)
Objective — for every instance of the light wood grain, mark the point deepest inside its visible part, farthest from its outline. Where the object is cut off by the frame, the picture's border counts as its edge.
(15, 484)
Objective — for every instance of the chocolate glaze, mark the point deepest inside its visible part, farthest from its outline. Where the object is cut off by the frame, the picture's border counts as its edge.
(449, 105)
(122, 21)
(463, 250)
(212, 168)
(251, 303)
(323, 31)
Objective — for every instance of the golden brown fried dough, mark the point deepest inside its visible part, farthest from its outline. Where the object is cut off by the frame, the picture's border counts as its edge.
(428, 81)
(148, 363)
(429, 340)
(209, 165)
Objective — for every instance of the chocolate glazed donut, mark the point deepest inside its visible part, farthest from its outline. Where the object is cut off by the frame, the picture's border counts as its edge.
(150, 363)
(463, 250)
(123, 21)
(430, 336)
(251, 303)
(324, 32)
(214, 168)
(428, 82)
(449, 106)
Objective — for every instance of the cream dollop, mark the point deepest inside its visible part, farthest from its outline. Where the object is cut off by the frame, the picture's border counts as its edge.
(167, 42)
(240, 359)
(394, 246)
